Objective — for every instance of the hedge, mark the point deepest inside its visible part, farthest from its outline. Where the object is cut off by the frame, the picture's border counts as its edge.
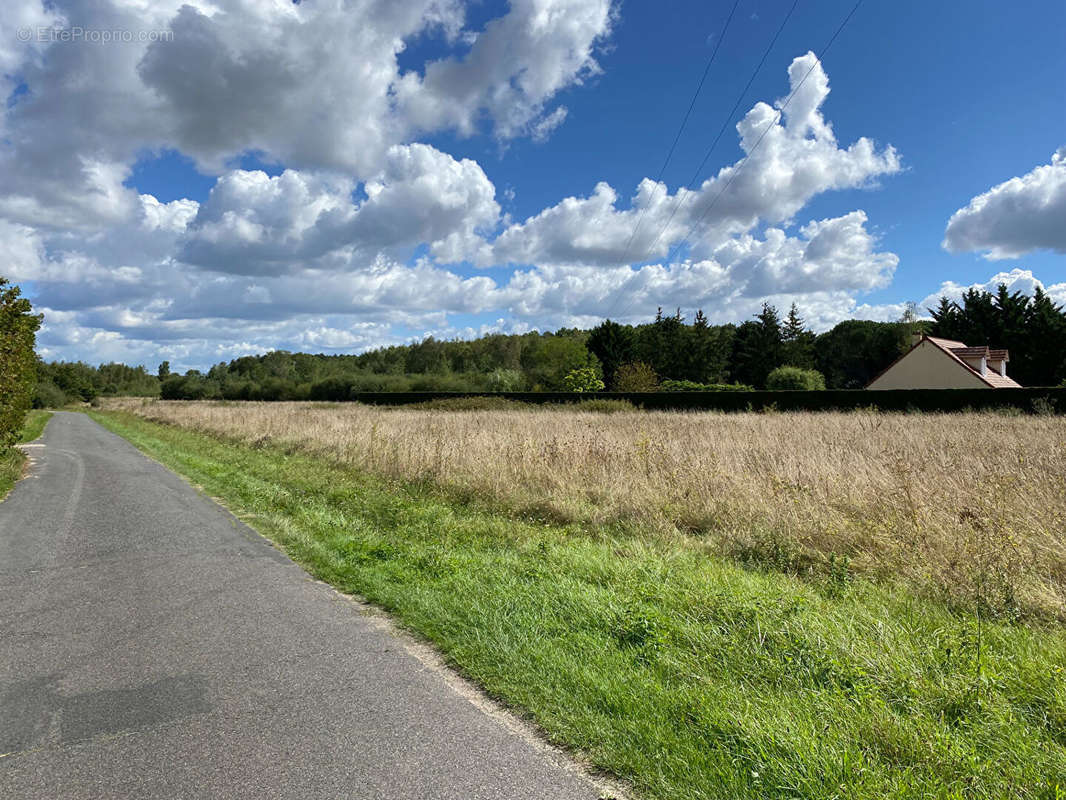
(1026, 400)
(692, 386)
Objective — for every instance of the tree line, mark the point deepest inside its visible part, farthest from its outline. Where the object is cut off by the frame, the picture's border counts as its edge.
(18, 336)
(1032, 329)
(669, 353)
(60, 382)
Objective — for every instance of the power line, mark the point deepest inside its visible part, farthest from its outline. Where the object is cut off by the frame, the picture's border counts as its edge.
(684, 122)
(707, 155)
(762, 136)
(773, 122)
(725, 124)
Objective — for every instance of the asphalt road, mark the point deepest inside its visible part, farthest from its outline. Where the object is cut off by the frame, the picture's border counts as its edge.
(151, 645)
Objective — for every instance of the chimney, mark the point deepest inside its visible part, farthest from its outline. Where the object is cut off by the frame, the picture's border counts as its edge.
(916, 337)
(997, 360)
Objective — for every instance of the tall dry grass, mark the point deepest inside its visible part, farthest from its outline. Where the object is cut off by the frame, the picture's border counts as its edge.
(972, 506)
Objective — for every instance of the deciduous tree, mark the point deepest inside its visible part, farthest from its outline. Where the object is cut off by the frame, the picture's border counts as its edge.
(18, 361)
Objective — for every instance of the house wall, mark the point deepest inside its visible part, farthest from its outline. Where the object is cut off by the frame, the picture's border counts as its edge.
(927, 367)
(979, 364)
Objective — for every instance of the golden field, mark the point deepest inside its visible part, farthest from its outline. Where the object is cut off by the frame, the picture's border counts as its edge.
(968, 506)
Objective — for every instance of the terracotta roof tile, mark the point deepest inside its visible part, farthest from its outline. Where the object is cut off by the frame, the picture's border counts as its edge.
(1001, 381)
(948, 343)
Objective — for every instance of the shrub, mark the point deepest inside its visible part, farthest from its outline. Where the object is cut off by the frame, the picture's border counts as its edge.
(332, 389)
(583, 379)
(447, 382)
(47, 395)
(191, 387)
(275, 389)
(794, 378)
(636, 377)
(372, 382)
(506, 380)
(1043, 406)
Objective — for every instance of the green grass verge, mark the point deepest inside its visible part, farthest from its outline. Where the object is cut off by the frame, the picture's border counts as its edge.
(11, 460)
(33, 427)
(686, 675)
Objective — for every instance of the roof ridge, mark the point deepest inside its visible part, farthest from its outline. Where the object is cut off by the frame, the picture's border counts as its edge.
(945, 342)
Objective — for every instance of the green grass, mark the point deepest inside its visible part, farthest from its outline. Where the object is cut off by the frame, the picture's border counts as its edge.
(688, 676)
(11, 460)
(33, 427)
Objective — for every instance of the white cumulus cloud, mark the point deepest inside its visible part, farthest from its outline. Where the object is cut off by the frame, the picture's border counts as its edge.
(357, 238)
(1015, 217)
(253, 223)
(797, 158)
(314, 86)
(1017, 280)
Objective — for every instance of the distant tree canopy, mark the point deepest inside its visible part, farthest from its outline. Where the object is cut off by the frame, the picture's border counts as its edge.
(851, 354)
(681, 355)
(668, 353)
(684, 356)
(614, 345)
(76, 381)
(758, 348)
(18, 362)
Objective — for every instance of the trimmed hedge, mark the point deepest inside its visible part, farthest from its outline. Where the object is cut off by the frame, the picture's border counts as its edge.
(1027, 400)
(692, 386)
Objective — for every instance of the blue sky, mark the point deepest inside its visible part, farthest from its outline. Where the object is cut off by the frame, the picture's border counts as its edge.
(239, 176)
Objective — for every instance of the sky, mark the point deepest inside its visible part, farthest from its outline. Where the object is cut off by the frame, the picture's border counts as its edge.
(194, 181)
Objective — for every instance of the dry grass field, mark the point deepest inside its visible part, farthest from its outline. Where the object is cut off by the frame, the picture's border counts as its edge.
(968, 506)
(682, 599)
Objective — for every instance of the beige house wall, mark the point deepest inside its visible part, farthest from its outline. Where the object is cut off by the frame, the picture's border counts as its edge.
(927, 367)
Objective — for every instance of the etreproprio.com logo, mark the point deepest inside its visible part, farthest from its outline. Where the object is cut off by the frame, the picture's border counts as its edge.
(75, 34)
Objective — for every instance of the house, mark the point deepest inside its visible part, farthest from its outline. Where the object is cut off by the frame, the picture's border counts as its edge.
(934, 363)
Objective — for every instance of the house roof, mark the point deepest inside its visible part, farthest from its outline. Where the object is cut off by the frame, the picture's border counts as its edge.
(942, 342)
(970, 352)
(952, 348)
(998, 381)
(958, 351)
